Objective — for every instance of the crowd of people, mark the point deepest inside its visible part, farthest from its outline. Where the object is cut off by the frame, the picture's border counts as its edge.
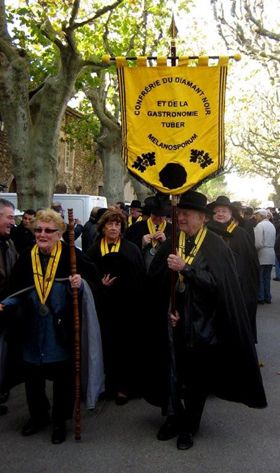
(168, 316)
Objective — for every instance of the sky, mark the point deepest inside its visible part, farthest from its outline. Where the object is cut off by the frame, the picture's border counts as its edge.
(247, 189)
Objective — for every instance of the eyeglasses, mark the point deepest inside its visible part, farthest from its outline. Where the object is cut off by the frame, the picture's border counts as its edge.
(46, 230)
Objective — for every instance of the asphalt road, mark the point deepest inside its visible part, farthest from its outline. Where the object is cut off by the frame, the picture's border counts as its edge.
(122, 439)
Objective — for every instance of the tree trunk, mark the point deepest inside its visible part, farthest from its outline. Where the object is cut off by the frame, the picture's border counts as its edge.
(109, 147)
(33, 124)
(142, 190)
(276, 185)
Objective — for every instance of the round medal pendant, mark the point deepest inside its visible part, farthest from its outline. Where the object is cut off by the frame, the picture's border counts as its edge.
(153, 251)
(43, 310)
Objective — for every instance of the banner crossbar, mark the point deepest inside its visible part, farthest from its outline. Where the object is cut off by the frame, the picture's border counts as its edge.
(236, 57)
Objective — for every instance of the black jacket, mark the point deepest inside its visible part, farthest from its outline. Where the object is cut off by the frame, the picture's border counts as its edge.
(247, 265)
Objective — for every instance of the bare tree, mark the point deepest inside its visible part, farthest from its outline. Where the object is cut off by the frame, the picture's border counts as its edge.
(253, 27)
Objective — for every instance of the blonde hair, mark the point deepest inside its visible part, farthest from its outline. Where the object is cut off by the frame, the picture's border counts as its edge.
(50, 215)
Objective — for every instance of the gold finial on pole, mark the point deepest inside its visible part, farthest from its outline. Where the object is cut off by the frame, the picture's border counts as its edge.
(173, 31)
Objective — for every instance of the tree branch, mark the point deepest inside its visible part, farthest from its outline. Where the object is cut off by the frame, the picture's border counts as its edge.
(98, 14)
(3, 21)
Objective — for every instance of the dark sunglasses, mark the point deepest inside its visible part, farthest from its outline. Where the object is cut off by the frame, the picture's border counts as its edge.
(46, 230)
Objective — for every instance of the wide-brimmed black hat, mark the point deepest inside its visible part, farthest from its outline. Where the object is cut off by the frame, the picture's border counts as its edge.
(160, 209)
(221, 201)
(194, 201)
(135, 204)
(160, 205)
(148, 202)
(238, 205)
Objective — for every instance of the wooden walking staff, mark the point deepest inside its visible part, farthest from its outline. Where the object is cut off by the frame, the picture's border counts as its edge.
(77, 336)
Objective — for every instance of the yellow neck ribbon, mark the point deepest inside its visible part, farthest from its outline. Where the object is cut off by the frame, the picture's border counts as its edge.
(44, 284)
(231, 227)
(130, 221)
(197, 244)
(153, 228)
(104, 248)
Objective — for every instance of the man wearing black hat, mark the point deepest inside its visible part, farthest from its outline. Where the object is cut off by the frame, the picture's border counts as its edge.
(135, 213)
(239, 212)
(225, 218)
(149, 234)
(210, 348)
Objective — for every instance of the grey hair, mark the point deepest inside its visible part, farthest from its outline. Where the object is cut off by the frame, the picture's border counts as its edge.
(5, 203)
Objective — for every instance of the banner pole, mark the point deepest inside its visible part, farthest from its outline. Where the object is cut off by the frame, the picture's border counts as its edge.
(173, 53)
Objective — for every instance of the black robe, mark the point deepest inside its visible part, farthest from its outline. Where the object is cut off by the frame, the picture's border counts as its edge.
(247, 265)
(236, 376)
(119, 309)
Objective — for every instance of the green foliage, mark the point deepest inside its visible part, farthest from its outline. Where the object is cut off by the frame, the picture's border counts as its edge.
(28, 35)
(134, 28)
(214, 187)
(255, 203)
(84, 130)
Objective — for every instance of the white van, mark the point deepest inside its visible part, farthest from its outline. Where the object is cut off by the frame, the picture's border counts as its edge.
(82, 204)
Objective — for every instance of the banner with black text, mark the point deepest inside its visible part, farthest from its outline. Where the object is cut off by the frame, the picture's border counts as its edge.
(173, 122)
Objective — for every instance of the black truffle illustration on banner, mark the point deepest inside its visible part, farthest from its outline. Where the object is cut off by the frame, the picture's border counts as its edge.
(173, 176)
(200, 157)
(145, 160)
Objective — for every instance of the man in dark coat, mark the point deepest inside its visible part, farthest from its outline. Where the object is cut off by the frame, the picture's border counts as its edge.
(22, 235)
(203, 344)
(241, 213)
(135, 212)
(226, 220)
(90, 233)
(149, 234)
(8, 257)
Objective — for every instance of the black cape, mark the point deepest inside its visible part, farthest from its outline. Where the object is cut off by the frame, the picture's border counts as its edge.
(247, 265)
(237, 375)
(119, 309)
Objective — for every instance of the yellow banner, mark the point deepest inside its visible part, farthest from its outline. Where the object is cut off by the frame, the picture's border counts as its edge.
(173, 122)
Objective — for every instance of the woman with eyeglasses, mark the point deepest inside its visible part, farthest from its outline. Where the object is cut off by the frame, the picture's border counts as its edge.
(42, 275)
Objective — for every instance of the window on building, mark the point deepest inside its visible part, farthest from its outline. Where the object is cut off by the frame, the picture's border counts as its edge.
(69, 155)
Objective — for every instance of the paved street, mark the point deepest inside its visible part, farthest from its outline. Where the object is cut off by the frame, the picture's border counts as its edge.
(122, 439)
